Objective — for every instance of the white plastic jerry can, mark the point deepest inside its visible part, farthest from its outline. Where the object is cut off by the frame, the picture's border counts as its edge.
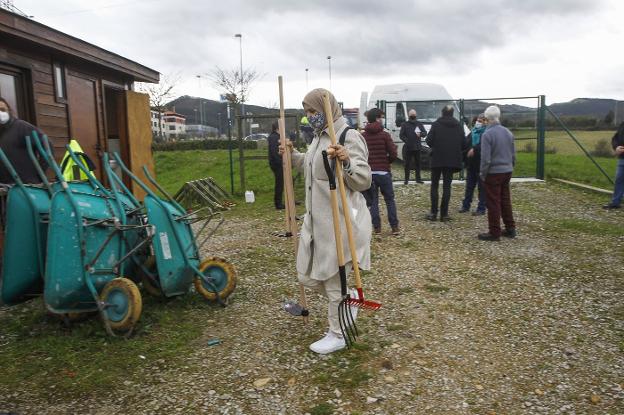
(249, 196)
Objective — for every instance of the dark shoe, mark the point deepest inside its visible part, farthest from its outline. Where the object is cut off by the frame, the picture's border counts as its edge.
(280, 207)
(478, 213)
(446, 218)
(377, 229)
(396, 230)
(464, 210)
(611, 206)
(419, 181)
(509, 233)
(432, 216)
(405, 183)
(488, 237)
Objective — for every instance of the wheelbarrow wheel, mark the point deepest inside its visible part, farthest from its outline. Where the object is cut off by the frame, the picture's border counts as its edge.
(123, 304)
(150, 286)
(221, 273)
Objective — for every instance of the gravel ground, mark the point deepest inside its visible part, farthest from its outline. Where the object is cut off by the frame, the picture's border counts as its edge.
(531, 325)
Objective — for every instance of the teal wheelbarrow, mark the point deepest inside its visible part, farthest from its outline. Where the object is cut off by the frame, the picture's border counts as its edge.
(86, 251)
(175, 263)
(26, 216)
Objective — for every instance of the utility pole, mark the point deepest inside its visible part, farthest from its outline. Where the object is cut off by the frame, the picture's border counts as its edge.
(307, 87)
(329, 62)
(242, 97)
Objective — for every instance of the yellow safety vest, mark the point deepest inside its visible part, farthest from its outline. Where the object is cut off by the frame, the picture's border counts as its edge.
(70, 169)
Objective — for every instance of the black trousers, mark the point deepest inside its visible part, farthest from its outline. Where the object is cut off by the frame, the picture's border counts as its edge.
(278, 172)
(447, 179)
(412, 160)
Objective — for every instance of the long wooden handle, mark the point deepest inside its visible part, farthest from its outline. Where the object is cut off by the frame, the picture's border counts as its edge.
(291, 219)
(343, 195)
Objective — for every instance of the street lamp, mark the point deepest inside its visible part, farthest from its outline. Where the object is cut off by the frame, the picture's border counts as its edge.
(329, 62)
(201, 110)
(242, 98)
(307, 78)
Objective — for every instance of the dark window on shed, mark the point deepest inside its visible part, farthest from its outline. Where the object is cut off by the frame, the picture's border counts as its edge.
(60, 90)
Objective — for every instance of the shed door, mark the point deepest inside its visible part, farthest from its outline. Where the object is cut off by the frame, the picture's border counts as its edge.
(139, 137)
(82, 100)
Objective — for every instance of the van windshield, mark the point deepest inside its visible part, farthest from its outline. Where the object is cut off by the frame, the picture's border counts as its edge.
(429, 111)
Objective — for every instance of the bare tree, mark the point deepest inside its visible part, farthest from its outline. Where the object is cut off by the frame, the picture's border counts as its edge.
(236, 87)
(160, 94)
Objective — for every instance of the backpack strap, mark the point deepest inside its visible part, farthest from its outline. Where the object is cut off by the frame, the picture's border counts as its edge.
(343, 136)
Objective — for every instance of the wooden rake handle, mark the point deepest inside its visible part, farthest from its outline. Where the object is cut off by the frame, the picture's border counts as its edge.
(343, 196)
(291, 219)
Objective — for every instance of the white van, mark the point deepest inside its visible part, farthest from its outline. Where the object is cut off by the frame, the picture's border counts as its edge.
(427, 99)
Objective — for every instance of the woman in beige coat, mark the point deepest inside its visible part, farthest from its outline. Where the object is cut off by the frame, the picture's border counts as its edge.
(317, 263)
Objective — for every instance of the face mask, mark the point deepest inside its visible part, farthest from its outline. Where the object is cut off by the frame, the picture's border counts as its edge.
(412, 117)
(478, 124)
(4, 117)
(317, 121)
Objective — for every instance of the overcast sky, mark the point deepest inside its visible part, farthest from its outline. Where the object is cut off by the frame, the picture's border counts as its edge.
(561, 48)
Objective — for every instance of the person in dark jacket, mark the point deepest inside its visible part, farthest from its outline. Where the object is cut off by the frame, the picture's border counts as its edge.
(473, 166)
(617, 142)
(411, 133)
(447, 142)
(12, 142)
(381, 153)
(275, 162)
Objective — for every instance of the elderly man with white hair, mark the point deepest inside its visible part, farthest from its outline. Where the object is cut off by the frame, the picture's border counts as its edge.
(498, 157)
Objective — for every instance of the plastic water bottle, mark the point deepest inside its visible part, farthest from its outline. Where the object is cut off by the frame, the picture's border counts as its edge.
(249, 196)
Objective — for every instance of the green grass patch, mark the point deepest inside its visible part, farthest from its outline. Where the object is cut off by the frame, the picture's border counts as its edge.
(174, 168)
(589, 227)
(50, 360)
(322, 409)
(436, 288)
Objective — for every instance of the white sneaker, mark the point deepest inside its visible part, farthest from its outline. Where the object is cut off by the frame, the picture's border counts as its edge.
(328, 344)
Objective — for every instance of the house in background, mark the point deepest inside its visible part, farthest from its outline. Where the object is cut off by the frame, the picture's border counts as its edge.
(70, 88)
(172, 125)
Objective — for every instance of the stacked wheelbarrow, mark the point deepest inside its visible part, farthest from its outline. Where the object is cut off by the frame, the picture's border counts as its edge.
(86, 247)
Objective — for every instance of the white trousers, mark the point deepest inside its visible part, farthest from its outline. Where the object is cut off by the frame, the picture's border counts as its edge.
(330, 289)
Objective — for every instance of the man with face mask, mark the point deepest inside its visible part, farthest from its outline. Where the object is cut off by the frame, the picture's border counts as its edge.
(411, 133)
(12, 142)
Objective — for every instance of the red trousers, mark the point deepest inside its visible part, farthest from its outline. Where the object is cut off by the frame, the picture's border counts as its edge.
(498, 198)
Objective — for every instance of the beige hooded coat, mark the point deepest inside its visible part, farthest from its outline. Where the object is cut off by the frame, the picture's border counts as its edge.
(317, 257)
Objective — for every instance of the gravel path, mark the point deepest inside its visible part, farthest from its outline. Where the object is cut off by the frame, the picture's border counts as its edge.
(531, 325)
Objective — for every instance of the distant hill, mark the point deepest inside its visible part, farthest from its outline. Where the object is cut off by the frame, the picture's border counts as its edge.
(594, 111)
(213, 111)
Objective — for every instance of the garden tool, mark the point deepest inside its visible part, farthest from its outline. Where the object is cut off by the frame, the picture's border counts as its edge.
(360, 301)
(291, 219)
(345, 318)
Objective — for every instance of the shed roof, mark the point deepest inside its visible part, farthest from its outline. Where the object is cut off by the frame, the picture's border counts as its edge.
(27, 29)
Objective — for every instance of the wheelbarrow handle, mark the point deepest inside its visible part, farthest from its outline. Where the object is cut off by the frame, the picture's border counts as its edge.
(47, 154)
(116, 181)
(160, 188)
(35, 163)
(95, 183)
(11, 169)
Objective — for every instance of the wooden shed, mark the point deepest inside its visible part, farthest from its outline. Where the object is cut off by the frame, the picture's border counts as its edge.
(72, 89)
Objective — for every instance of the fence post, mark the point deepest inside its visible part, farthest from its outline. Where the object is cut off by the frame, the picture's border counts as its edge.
(541, 137)
(241, 153)
(229, 131)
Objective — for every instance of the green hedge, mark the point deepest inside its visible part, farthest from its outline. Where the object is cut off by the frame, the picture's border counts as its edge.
(203, 145)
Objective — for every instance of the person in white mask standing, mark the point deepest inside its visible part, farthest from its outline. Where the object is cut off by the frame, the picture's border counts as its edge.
(12, 142)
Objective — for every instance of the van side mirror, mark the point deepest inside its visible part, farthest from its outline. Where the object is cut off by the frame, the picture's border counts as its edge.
(399, 121)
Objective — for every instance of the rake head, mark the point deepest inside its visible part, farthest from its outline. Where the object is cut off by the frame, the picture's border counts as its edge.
(362, 303)
(347, 321)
